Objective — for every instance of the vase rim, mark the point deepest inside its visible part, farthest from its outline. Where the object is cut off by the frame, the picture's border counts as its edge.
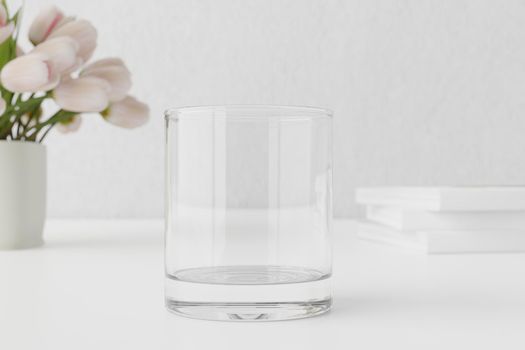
(21, 142)
(249, 111)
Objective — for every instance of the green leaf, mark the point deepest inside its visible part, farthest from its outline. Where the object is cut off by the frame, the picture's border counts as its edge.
(5, 56)
(4, 2)
(6, 51)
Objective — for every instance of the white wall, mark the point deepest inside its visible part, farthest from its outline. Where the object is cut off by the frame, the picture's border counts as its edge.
(425, 92)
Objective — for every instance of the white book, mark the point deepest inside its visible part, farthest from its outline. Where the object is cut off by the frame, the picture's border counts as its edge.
(409, 219)
(446, 241)
(446, 198)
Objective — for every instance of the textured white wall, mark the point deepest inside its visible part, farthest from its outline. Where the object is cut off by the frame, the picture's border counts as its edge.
(425, 92)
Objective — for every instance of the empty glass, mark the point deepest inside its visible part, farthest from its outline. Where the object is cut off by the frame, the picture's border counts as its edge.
(248, 212)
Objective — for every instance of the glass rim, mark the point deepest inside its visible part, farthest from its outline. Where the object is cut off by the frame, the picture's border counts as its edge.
(250, 111)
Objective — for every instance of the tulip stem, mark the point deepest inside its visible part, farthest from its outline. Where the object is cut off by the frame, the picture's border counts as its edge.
(17, 108)
(45, 133)
(52, 121)
(29, 108)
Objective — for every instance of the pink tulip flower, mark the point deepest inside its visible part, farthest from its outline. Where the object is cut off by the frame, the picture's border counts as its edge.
(71, 125)
(82, 95)
(82, 32)
(30, 73)
(45, 22)
(61, 51)
(128, 113)
(6, 28)
(114, 72)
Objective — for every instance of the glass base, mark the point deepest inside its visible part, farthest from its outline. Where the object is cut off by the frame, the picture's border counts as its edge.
(248, 293)
(249, 311)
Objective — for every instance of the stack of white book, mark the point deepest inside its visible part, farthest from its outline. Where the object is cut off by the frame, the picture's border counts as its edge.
(445, 219)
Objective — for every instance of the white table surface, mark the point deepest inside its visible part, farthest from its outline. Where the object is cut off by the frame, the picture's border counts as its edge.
(99, 285)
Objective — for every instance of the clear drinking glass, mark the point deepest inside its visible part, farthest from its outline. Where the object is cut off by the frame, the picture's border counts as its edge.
(248, 212)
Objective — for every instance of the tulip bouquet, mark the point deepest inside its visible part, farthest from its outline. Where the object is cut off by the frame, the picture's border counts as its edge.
(57, 68)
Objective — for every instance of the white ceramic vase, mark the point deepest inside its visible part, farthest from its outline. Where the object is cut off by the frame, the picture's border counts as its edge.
(22, 194)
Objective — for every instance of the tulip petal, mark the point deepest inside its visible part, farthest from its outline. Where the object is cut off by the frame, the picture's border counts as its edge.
(29, 73)
(71, 125)
(85, 94)
(105, 62)
(63, 21)
(6, 32)
(82, 32)
(2, 106)
(19, 51)
(62, 51)
(3, 15)
(118, 77)
(53, 79)
(128, 113)
(78, 63)
(44, 23)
